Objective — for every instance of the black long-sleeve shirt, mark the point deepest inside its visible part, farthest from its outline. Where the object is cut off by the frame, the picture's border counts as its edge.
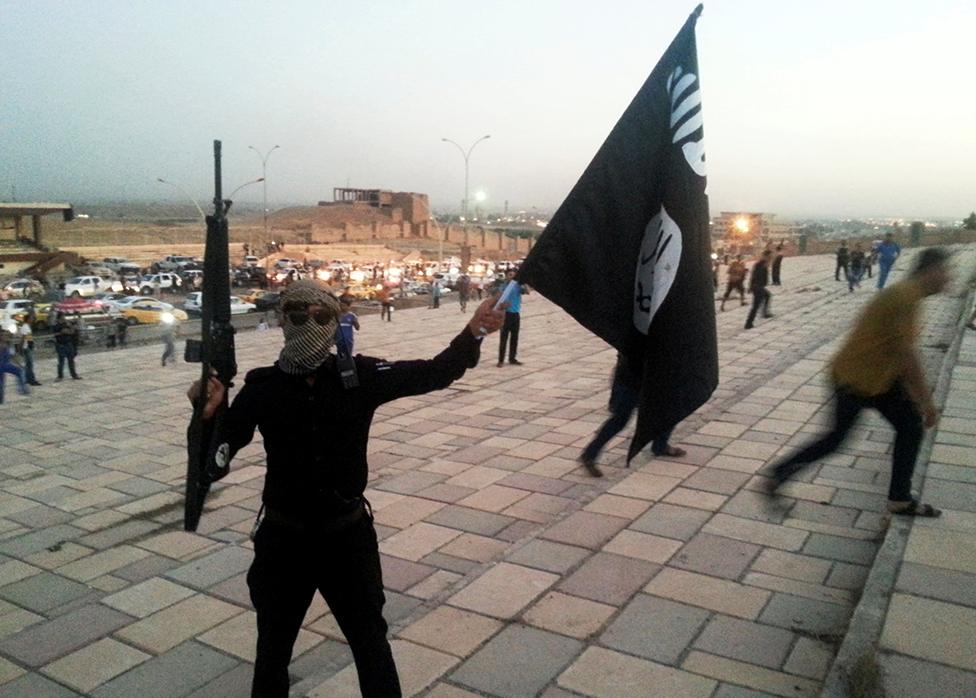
(315, 435)
(759, 278)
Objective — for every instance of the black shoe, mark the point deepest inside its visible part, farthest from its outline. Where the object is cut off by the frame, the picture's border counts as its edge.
(33, 383)
(768, 315)
(59, 378)
(591, 467)
(749, 326)
(500, 364)
(515, 362)
(77, 378)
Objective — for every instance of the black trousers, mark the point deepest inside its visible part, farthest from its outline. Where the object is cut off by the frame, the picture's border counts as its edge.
(760, 298)
(731, 286)
(344, 566)
(840, 265)
(897, 408)
(509, 335)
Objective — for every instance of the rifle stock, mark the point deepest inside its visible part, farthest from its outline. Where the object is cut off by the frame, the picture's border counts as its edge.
(208, 458)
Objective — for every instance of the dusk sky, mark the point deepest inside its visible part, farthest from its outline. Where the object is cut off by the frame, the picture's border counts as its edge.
(827, 108)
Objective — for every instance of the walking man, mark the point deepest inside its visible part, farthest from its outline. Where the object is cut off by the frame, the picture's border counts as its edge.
(348, 322)
(8, 366)
(624, 396)
(879, 366)
(856, 268)
(463, 287)
(25, 347)
(386, 304)
(777, 263)
(735, 279)
(317, 531)
(66, 344)
(510, 330)
(888, 252)
(169, 344)
(842, 258)
(758, 281)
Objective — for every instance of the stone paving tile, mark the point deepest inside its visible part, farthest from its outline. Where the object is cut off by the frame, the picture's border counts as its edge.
(451, 630)
(171, 675)
(418, 541)
(932, 630)
(531, 657)
(642, 546)
(949, 549)
(654, 628)
(716, 556)
(796, 613)
(549, 556)
(238, 637)
(43, 642)
(585, 529)
(714, 594)
(610, 579)
(177, 623)
(907, 677)
(470, 520)
(417, 666)
(43, 592)
(95, 664)
(607, 674)
(792, 566)
(937, 583)
(204, 572)
(774, 682)
(504, 590)
(146, 598)
(810, 658)
(745, 641)
(568, 615)
(671, 521)
(35, 686)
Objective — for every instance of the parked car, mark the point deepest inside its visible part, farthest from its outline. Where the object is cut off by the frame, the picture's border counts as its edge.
(14, 310)
(251, 261)
(78, 304)
(150, 311)
(252, 295)
(21, 288)
(163, 281)
(194, 304)
(94, 268)
(173, 262)
(286, 262)
(120, 265)
(109, 301)
(131, 300)
(88, 286)
(267, 302)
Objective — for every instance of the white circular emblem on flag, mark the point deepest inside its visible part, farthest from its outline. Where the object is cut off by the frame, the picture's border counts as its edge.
(657, 265)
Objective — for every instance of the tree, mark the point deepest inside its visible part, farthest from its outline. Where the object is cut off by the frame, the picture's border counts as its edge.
(970, 222)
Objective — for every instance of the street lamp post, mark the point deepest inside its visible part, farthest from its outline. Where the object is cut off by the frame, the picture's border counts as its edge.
(185, 193)
(264, 178)
(466, 154)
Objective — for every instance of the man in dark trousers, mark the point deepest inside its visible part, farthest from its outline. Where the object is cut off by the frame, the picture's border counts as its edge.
(843, 255)
(758, 281)
(878, 366)
(735, 280)
(317, 532)
(66, 344)
(513, 316)
(624, 397)
(855, 268)
(777, 264)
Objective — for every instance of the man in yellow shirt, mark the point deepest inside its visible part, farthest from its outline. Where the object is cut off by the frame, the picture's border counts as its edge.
(879, 367)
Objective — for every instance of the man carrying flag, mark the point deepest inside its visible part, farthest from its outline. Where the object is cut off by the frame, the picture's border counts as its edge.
(628, 252)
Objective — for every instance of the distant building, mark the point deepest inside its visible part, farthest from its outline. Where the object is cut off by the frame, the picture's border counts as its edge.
(748, 231)
(410, 207)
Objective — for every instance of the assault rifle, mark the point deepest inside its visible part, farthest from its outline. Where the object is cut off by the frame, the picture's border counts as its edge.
(208, 459)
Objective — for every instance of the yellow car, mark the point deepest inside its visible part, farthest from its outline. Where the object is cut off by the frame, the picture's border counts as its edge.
(253, 294)
(151, 312)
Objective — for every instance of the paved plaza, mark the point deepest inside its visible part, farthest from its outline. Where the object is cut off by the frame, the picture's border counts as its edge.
(509, 571)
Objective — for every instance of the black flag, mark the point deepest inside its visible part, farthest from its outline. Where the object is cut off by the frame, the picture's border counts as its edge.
(628, 252)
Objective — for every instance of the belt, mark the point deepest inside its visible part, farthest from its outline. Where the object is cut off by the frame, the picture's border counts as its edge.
(324, 525)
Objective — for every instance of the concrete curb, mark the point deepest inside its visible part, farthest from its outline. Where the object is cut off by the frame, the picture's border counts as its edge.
(860, 644)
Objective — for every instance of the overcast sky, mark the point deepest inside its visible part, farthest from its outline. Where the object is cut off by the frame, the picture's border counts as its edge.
(847, 108)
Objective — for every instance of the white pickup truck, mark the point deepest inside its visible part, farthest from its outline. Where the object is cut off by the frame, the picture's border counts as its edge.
(87, 286)
(165, 281)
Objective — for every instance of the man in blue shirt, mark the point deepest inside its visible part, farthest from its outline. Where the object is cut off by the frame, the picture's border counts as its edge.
(510, 330)
(348, 322)
(888, 252)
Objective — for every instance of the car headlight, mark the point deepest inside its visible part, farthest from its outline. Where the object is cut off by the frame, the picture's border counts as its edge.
(167, 317)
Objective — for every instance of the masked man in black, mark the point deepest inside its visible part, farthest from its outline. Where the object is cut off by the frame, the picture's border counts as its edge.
(317, 532)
